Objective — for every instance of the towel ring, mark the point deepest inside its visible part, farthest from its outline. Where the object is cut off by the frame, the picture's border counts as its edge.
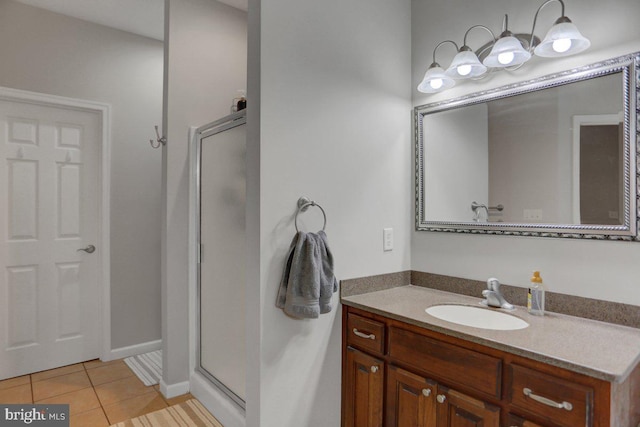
(303, 205)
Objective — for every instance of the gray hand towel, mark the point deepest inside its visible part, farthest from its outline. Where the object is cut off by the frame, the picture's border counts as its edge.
(308, 281)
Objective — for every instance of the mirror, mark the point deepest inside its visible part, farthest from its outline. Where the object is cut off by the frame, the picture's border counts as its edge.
(551, 157)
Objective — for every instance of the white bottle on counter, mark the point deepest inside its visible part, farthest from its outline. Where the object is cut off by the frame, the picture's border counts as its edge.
(535, 298)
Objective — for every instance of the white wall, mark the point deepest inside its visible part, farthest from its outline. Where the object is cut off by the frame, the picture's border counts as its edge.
(604, 270)
(524, 164)
(206, 60)
(254, 292)
(335, 125)
(456, 142)
(603, 97)
(51, 53)
(533, 169)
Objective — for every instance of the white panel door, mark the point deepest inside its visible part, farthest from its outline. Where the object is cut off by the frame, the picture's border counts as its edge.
(49, 209)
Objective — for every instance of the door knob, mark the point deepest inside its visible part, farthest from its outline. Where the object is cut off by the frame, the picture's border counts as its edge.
(441, 398)
(89, 249)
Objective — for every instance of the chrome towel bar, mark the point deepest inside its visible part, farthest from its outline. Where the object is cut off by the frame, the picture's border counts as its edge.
(303, 205)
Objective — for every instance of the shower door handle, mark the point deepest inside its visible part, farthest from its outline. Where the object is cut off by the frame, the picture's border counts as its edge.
(89, 249)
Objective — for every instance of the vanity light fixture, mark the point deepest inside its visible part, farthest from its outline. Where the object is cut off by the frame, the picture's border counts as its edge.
(435, 79)
(466, 63)
(563, 39)
(508, 52)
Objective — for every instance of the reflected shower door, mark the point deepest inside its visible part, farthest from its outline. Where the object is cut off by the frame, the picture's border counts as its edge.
(222, 182)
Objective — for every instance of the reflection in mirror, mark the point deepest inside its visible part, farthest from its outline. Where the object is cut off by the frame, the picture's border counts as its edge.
(598, 149)
(555, 155)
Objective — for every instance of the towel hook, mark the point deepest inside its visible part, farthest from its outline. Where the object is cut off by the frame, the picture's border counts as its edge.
(303, 205)
(160, 140)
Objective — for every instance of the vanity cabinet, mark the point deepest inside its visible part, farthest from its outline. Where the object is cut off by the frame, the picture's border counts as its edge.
(566, 403)
(363, 389)
(414, 401)
(456, 409)
(363, 373)
(397, 374)
(515, 421)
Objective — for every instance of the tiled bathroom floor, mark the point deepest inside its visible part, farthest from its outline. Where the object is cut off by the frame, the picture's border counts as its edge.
(98, 393)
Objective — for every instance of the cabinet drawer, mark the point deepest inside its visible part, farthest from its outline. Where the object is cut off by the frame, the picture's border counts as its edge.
(365, 333)
(450, 363)
(560, 401)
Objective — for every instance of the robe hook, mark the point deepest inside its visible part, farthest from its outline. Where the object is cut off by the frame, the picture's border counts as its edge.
(160, 140)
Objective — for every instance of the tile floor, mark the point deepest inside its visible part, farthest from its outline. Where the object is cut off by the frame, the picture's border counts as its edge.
(98, 393)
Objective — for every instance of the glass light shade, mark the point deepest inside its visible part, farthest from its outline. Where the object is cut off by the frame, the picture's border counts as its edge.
(435, 80)
(507, 52)
(563, 39)
(465, 65)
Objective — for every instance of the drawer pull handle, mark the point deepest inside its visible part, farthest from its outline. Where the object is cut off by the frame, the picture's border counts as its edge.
(564, 405)
(365, 336)
(426, 392)
(374, 369)
(441, 398)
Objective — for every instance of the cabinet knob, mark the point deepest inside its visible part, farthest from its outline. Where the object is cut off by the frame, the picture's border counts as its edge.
(426, 392)
(374, 369)
(441, 398)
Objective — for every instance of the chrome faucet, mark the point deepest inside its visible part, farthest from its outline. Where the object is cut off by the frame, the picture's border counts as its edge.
(477, 209)
(493, 297)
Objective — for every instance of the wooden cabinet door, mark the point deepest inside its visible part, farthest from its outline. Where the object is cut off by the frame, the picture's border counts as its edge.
(515, 421)
(459, 410)
(411, 400)
(364, 390)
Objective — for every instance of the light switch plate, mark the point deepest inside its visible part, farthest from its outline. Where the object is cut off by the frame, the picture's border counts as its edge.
(532, 215)
(387, 239)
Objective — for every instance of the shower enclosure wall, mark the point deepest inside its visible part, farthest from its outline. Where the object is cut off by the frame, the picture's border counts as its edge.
(220, 180)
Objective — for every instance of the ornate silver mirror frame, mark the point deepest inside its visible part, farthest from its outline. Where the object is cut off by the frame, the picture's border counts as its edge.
(629, 67)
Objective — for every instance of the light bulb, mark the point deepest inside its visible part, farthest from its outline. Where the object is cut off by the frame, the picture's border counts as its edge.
(561, 45)
(464, 70)
(436, 83)
(505, 58)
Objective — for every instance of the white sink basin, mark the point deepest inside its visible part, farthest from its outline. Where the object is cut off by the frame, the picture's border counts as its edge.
(477, 317)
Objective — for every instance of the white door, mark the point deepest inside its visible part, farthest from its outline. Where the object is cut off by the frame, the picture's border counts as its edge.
(49, 210)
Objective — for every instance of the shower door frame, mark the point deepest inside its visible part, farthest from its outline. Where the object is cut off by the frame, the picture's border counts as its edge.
(198, 134)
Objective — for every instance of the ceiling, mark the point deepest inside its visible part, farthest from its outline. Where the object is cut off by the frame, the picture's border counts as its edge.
(238, 4)
(142, 17)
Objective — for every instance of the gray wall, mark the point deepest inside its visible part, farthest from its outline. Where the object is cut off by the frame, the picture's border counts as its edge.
(206, 63)
(533, 169)
(54, 54)
(456, 138)
(604, 270)
(335, 125)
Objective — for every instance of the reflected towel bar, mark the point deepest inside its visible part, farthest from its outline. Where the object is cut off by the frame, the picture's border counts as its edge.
(476, 205)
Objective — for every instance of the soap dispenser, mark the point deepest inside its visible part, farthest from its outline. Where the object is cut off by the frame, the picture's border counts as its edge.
(535, 298)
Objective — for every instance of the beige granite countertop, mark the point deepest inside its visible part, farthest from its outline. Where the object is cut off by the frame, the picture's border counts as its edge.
(598, 349)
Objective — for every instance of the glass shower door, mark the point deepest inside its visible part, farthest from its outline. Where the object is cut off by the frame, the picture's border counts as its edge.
(221, 272)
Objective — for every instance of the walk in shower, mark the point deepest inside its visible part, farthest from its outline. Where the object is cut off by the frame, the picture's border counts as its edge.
(220, 149)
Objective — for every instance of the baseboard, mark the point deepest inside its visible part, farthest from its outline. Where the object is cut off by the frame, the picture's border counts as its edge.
(219, 404)
(133, 350)
(173, 390)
